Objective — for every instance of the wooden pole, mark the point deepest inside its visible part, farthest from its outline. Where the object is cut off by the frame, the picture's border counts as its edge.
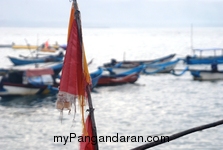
(178, 135)
(91, 112)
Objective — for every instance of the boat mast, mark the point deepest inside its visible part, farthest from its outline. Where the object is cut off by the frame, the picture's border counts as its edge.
(191, 39)
(124, 56)
(91, 109)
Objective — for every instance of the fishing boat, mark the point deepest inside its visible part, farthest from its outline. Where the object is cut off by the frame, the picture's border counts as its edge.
(124, 71)
(28, 82)
(205, 59)
(117, 76)
(45, 47)
(29, 79)
(111, 80)
(37, 59)
(134, 63)
(34, 47)
(206, 75)
(53, 65)
(200, 73)
(160, 67)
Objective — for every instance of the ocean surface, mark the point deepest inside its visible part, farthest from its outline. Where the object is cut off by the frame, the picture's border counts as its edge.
(156, 105)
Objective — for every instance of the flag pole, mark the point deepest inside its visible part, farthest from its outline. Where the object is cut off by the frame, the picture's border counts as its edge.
(91, 109)
(191, 39)
(91, 112)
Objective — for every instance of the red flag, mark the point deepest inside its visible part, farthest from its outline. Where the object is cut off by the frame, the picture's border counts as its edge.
(75, 79)
(75, 76)
(88, 142)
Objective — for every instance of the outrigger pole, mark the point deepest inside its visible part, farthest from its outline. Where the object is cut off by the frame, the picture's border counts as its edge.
(91, 109)
(178, 135)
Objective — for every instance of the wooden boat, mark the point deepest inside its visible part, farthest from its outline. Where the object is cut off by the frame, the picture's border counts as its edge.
(55, 66)
(207, 75)
(37, 59)
(29, 79)
(125, 71)
(28, 82)
(111, 80)
(134, 63)
(201, 59)
(53, 48)
(202, 74)
(161, 67)
(117, 76)
(34, 47)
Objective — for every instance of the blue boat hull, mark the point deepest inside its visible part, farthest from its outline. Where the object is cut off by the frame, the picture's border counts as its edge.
(161, 67)
(24, 61)
(95, 76)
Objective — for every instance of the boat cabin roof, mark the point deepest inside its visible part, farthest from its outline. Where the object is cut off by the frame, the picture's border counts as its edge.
(214, 51)
(207, 49)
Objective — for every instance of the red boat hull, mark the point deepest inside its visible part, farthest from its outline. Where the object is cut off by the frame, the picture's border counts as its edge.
(111, 81)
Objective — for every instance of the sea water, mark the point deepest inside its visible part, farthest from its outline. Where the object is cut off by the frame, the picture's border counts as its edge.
(156, 105)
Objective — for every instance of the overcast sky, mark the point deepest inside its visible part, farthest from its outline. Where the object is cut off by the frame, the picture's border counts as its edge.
(113, 13)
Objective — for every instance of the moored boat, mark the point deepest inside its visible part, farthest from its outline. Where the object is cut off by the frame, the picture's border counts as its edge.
(206, 75)
(118, 76)
(27, 82)
(125, 71)
(37, 59)
(29, 79)
(45, 47)
(32, 47)
(135, 63)
(161, 67)
(111, 80)
(200, 73)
